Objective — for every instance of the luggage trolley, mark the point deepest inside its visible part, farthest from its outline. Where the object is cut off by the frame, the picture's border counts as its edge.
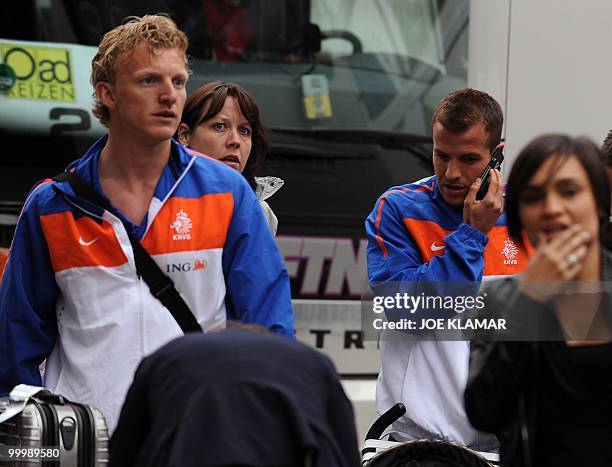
(423, 453)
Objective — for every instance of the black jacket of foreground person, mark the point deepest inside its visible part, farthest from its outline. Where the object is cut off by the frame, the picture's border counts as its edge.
(549, 404)
(236, 398)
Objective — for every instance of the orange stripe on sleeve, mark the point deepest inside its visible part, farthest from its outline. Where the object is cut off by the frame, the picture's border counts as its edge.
(80, 243)
(379, 238)
(4, 252)
(3, 259)
(424, 188)
(188, 224)
(36, 188)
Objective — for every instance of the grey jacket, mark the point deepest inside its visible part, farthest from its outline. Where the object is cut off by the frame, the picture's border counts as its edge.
(265, 188)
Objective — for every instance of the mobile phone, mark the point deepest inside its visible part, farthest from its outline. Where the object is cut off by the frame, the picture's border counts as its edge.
(495, 163)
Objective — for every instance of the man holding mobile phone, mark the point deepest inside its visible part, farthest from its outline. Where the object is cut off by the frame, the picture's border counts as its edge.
(435, 231)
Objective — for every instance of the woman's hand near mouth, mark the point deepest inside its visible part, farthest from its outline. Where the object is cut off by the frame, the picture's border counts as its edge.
(549, 266)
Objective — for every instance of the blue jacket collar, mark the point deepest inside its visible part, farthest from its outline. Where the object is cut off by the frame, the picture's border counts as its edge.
(87, 168)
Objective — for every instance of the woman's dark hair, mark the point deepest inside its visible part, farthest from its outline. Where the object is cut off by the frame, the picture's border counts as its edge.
(531, 159)
(208, 100)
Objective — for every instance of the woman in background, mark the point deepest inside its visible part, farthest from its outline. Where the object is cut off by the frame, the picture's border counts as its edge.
(549, 400)
(221, 120)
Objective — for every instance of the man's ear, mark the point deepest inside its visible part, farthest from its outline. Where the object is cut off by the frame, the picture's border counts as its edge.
(105, 94)
(184, 134)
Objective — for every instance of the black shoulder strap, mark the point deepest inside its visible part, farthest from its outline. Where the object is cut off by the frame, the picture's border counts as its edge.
(160, 284)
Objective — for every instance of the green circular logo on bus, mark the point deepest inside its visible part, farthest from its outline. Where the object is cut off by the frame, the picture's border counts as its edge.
(7, 77)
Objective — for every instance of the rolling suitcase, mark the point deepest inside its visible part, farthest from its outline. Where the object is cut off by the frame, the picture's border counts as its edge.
(46, 428)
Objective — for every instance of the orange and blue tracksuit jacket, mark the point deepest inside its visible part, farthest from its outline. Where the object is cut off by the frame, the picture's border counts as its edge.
(70, 292)
(415, 237)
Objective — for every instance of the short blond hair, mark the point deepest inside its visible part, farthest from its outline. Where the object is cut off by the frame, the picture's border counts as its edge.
(157, 31)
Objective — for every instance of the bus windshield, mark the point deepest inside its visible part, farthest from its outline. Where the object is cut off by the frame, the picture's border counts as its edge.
(379, 64)
(312, 65)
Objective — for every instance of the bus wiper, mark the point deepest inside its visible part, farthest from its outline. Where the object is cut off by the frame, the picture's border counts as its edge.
(333, 142)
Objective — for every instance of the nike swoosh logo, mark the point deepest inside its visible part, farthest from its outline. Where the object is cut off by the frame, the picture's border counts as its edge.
(84, 243)
(434, 247)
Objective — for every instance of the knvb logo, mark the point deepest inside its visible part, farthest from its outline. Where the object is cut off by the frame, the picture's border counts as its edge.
(197, 265)
(182, 225)
(510, 251)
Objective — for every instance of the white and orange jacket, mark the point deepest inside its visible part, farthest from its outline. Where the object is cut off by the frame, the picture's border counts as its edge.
(415, 237)
(70, 292)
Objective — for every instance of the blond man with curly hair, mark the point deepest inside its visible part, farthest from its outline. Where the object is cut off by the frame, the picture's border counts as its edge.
(71, 291)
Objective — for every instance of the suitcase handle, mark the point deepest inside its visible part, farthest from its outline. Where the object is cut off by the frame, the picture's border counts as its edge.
(48, 396)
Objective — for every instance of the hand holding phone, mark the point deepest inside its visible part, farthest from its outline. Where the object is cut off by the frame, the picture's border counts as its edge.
(495, 163)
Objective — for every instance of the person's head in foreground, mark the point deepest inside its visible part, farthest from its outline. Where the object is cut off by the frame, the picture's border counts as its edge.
(558, 199)
(222, 121)
(236, 398)
(545, 392)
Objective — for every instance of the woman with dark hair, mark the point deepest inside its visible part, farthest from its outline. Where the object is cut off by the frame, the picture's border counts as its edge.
(549, 400)
(222, 121)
